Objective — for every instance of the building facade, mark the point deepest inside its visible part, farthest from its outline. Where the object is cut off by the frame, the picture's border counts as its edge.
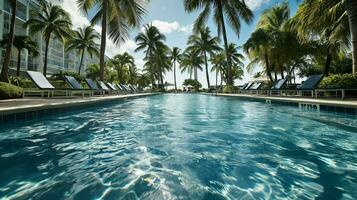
(58, 58)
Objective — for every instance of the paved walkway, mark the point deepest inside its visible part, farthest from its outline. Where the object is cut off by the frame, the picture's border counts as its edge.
(326, 102)
(32, 104)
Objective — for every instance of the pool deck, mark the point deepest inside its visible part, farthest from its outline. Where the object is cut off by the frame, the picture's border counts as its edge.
(33, 104)
(326, 102)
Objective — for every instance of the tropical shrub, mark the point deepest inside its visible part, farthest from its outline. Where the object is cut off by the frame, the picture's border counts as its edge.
(345, 81)
(9, 91)
(228, 89)
(192, 82)
(16, 80)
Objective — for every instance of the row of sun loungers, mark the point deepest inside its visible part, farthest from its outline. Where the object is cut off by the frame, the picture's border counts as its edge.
(94, 87)
(310, 87)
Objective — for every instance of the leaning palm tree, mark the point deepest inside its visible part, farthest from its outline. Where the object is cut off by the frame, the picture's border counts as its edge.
(84, 41)
(4, 76)
(191, 62)
(175, 56)
(150, 41)
(206, 44)
(231, 10)
(329, 22)
(22, 42)
(257, 47)
(52, 20)
(116, 18)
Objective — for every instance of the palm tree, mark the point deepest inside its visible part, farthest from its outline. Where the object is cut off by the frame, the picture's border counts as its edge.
(116, 18)
(121, 63)
(232, 10)
(191, 62)
(150, 41)
(4, 76)
(205, 44)
(84, 41)
(93, 72)
(175, 56)
(161, 62)
(218, 65)
(257, 48)
(22, 42)
(333, 29)
(52, 20)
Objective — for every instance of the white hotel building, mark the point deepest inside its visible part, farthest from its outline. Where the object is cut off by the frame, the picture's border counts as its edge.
(58, 58)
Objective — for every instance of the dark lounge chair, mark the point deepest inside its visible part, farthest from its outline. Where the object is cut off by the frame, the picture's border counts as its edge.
(113, 87)
(278, 86)
(310, 84)
(76, 86)
(43, 85)
(93, 86)
(246, 87)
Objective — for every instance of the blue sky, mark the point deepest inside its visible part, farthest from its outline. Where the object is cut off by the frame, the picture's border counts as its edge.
(170, 17)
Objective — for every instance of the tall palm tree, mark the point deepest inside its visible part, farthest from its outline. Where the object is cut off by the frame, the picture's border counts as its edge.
(175, 56)
(84, 41)
(206, 44)
(52, 20)
(116, 18)
(191, 62)
(231, 10)
(22, 42)
(161, 62)
(4, 76)
(218, 65)
(150, 41)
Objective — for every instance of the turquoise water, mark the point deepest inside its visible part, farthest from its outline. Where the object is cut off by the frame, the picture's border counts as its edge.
(181, 147)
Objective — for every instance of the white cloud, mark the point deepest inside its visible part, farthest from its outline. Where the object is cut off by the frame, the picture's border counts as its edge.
(255, 4)
(169, 27)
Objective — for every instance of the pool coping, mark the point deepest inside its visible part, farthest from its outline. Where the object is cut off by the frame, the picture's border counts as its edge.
(346, 106)
(30, 109)
(53, 103)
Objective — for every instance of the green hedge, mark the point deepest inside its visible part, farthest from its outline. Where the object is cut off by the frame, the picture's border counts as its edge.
(345, 81)
(9, 91)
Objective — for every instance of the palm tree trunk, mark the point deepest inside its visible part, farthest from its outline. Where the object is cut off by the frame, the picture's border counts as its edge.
(282, 73)
(268, 66)
(4, 77)
(81, 62)
(221, 80)
(216, 79)
(352, 18)
(328, 62)
(46, 55)
(207, 75)
(196, 74)
(103, 40)
(18, 62)
(175, 75)
(224, 33)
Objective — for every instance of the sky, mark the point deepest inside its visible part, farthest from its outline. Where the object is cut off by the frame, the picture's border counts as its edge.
(172, 20)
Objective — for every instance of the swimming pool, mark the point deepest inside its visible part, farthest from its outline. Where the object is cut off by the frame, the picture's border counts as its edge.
(181, 146)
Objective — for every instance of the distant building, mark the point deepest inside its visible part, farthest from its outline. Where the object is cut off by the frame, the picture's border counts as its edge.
(58, 58)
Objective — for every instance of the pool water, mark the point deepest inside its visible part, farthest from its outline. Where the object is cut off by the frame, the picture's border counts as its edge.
(181, 147)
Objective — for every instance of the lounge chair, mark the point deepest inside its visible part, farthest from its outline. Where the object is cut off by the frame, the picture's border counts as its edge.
(76, 86)
(93, 86)
(246, 87)
(104, 87)
(255, 88)
(43, 85)
(278, 86)
(310, 84)
(113, 87)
